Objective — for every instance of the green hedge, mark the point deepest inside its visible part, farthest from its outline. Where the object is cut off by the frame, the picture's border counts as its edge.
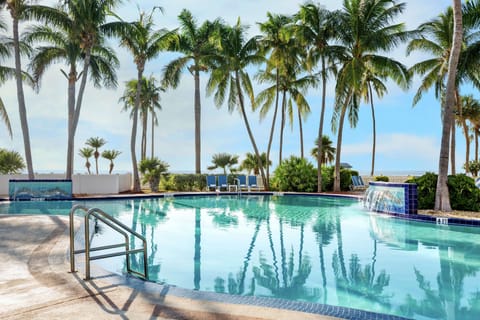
(184, 182)
(464, 195)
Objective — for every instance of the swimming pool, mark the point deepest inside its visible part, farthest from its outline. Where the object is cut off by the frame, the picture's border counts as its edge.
(317, 249)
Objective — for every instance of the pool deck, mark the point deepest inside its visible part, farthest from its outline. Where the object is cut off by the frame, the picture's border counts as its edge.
(35, 283)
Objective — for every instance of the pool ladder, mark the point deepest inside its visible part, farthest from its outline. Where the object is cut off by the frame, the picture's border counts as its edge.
(116, 225)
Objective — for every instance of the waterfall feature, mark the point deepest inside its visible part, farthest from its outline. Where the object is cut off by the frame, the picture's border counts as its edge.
(397, 198)
(39, 190)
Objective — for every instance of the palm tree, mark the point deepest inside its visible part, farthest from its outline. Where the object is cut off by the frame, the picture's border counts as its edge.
(328, 150)
(150, 100)
(250, 163)
(17, 10)
(96, 143)
(152, 169)
(144, 43)
(223, 160)
(198, 49)
(442, 196)
(11, 162)
(366, 29)
(229, 75)
(87, 153)
(316, 28)
(470, 112)
(4, 74)
(59, 42)
(276, 38)
(110, 155)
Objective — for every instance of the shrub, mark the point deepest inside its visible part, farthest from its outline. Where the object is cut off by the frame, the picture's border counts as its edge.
(295, 174)
(464, 195)
(184, 182)
(345, 178)
(381, 178)
(11, 162)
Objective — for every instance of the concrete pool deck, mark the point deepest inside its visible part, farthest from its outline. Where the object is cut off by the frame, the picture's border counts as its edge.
(35, 283)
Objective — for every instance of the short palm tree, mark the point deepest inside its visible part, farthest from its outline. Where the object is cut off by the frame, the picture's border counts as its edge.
(152, 170)
(11, 162)
(328, 150)
(96, 143)
(250, 163)
(87, 153)
(224, 161)
(144, 43)
(229, 76)
(110, 155)
(197, 48)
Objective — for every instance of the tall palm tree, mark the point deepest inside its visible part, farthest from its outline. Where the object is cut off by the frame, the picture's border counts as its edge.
(149, 101)
(5, 73)
(144, 43)
(96, 143)
(60, 43)
(17, 9)
(235, 56)
(366, 29)
(198, 49)
(276, 39)
(328, 150)
(316, 27)
(224, 161)
(87, 153)
(469, 112)
(110, 155)
(442, 196)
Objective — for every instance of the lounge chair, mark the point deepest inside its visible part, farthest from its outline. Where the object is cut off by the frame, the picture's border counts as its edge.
(222, 182)
(252, 183)
(242, 182)
(211, 183)
(357, 184)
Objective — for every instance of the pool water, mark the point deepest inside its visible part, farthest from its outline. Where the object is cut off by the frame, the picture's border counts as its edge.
(317, 249)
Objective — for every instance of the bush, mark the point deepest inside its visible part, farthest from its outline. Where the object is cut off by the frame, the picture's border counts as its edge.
(464, 195)
(184, 182)
(381, 178)
(296, 175)
(345, 178)
(11, 162)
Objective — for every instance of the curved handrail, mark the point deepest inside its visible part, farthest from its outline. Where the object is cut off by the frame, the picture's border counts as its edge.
(115, 225)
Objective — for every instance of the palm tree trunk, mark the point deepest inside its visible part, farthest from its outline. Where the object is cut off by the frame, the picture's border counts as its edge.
(442, 196)
(453, 142)
(133, 138)
(153, 137)
(467, 146)
(476, 144)
(320, 128)
(282, 126)
(301, 132)
(272, 130)
(198, 122)
(22, 110)
(336, 181)
(374, 144)
(249, 130)
(144, 134)
(72, 80)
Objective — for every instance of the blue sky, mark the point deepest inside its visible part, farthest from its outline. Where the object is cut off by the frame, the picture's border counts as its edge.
(408, 138)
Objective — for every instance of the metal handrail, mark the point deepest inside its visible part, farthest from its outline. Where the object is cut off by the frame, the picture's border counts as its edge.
(116, 226)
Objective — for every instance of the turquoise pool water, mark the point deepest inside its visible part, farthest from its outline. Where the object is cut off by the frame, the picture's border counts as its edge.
(317, 249)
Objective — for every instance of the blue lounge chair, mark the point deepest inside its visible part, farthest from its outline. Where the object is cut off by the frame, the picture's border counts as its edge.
(252, 183)
(222, 182)
(357, 183)
(211, 183)
(242, 182)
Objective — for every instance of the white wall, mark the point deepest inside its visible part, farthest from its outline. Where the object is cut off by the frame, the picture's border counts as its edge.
(81, 183)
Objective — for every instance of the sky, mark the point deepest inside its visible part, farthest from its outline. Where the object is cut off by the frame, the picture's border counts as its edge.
(408, 138)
